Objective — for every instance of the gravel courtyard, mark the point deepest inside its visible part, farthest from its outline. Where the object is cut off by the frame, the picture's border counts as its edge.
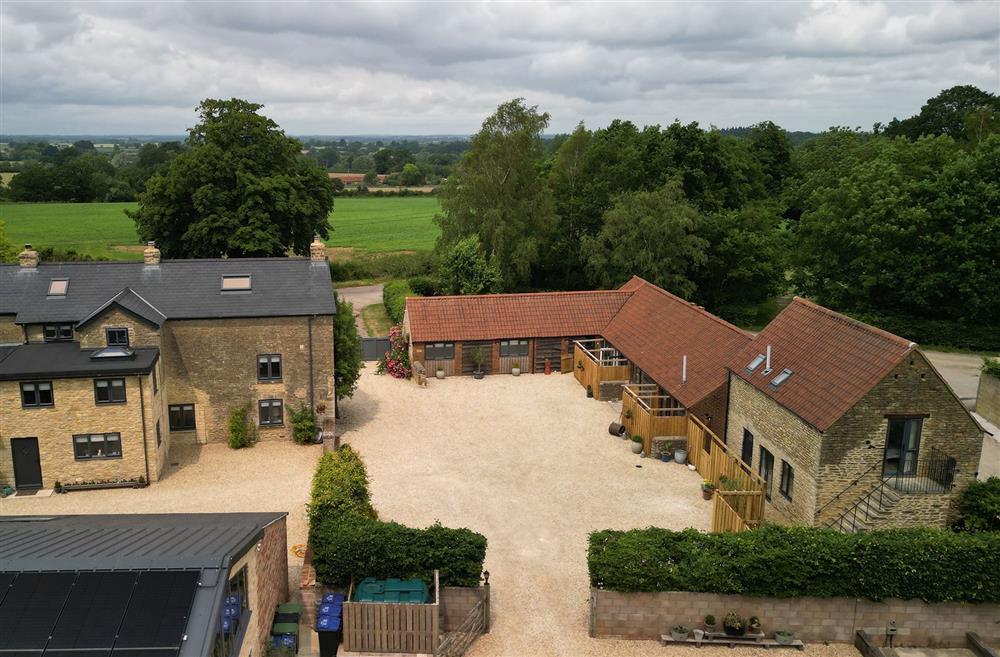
(529, 463)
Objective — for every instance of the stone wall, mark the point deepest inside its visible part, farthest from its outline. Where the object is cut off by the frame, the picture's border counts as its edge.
(10, 333)
(75, 412)
(271, 575)
(856, 442)
(784, 435)
(213, 364)
(988, 398)
(648, 615)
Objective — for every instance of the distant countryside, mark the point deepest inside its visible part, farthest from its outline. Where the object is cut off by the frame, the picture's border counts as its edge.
(101, 230)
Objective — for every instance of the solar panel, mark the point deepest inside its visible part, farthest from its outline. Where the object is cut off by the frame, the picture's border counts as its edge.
(93, 613)
(29, 612)
(157, 614)
(5, 581)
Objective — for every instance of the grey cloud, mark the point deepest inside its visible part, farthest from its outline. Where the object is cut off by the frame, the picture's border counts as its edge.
(336, 68)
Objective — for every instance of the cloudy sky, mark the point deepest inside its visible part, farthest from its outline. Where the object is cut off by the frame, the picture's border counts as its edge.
(421, 68)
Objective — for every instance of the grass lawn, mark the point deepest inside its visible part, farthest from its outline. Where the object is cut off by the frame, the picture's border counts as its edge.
(101, 230)
(376, 320)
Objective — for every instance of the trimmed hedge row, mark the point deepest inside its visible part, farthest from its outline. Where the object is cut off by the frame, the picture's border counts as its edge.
(353, 547)
(977, 337)
(787, 562)
(394, 295)
(349, 542)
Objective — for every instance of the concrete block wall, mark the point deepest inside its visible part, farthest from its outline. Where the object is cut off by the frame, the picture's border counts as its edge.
(648, 615)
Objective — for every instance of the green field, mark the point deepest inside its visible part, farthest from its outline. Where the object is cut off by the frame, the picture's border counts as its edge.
(369, 224)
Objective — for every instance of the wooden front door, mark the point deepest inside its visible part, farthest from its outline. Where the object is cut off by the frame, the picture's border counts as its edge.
(27, 463)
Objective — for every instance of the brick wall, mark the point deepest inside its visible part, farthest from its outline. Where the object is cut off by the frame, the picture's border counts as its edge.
(785, 436)
(213, 364)
(856, 441)
(988, 398)
(75, 412)
(271, 574)
(648, 615)
(10, 333)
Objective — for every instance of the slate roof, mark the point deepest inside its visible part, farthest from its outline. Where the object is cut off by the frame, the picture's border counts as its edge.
(176, 289)
(68, 360)
(834, 360)
(498, 316)
(655, 330)
(131, 302)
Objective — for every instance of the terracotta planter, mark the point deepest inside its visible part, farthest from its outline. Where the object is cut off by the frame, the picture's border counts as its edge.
(707, 493)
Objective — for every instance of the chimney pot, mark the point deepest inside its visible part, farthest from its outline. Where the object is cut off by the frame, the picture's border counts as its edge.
(317, 250)
(151, 254)
(28, 258)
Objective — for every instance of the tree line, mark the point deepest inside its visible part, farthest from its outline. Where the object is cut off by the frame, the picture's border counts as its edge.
(904, 218)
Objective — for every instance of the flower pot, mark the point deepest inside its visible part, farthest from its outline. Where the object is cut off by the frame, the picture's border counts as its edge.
(707, 493)
(636, 447)
(616, 429)
(516, 371)
(440, 374)
(732, 631)
(666, 457)
(478, 374)
(681, 456)
(784, 638)
(678, 636)
(698, 634)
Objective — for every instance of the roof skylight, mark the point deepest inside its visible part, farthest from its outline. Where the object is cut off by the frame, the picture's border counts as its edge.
(781, 378)
(58, 287)
(236, 283)
(755, 363)
(113, 352)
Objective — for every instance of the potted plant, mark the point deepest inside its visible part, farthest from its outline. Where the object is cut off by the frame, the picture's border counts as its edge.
(707, 489)
(515, 368)
(628, 415)
(479, 357)
(57, 487)
(636, 444)
(710, 623)
(439, 372)
(679, 632)
(784, 637)
(753, 625)
(590, 392)
(734, 625)
(579, 364)
(680, 455)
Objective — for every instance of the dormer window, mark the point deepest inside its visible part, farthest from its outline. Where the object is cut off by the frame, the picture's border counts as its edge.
(781, 378)
(58, 287)
(236, 283)
(116, 337)
(755, 363)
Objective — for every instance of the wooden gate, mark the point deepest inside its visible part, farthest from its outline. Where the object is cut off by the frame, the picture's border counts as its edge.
(458, 641)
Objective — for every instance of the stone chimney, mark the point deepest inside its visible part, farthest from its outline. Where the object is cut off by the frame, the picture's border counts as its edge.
(317, 250)
(151, 254)
(28, 258)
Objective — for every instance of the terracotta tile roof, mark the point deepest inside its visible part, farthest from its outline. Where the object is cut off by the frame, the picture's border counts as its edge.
(834, 360)
(656, 329)
(498, 316)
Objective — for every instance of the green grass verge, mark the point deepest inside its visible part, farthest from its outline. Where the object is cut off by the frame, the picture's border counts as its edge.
(376, 320)
(101, 230)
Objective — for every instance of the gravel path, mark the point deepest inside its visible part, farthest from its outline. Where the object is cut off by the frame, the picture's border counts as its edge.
(529, 463)
(360, 297)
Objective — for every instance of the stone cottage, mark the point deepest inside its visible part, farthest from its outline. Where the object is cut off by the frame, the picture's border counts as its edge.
(104, 366)
(849, 426)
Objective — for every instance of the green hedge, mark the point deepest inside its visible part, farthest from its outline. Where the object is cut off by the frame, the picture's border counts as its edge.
(354, 547)
(340, 486)
(349, 542)
(786, 562)
(992, 367)
(976, 337)
(394, 295)
(382, 265)
(979, 507)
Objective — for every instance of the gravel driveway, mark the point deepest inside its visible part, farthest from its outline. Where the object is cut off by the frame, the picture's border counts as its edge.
(529, 463)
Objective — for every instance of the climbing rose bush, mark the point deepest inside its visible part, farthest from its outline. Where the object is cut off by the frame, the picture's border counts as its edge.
(396, 362)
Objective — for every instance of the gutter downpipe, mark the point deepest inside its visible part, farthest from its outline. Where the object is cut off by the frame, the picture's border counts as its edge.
(312, 392)
(142, 412)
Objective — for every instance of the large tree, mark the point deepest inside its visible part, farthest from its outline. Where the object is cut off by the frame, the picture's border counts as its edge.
(240, 189)
(496, 192)
(648, 234)
(465, 269)
(947, 114)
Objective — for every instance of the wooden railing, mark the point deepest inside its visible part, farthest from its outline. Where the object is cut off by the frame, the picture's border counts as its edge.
(643, 415)
(392, 627)
(594, 362)
(742, 489)
(725, 518)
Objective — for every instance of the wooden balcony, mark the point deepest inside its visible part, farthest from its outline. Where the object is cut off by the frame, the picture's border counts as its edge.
(647, 413)
(595, 362)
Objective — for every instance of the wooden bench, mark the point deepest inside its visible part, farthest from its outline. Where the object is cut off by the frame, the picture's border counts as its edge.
(721, 638)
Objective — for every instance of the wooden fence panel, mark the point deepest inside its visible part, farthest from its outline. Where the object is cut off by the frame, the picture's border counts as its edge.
(645, 421)
(388, 627)
(725, 518)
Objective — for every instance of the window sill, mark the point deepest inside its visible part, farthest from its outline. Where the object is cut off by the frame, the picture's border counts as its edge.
(111, 403)
(97, 458)
(270, 380)
(271, 426)
(37, 406)
(184, 430)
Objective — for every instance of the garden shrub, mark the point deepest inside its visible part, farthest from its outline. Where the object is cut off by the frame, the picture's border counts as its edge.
(423, 286)
(394, 295)
(241, 431)
(304, 424)
(340, 486)
(349, 542)
(785, 562)
(991, 366)
(396, 362)
(979, 507)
